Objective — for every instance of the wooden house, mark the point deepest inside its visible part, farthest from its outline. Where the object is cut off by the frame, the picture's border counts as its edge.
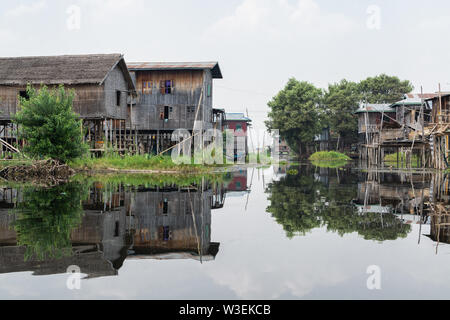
(172, 96)
(372, 119)
(101, 83)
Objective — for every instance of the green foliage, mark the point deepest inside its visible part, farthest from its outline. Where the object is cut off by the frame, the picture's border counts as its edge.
(148, 180)
(342, 101)
(384, 89)
(135, 162)
(48, 124)
(300, 204)
(329, 156)
(46, 219)
(296, 112)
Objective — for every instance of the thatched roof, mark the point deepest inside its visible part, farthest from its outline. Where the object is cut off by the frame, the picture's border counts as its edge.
(54, 70)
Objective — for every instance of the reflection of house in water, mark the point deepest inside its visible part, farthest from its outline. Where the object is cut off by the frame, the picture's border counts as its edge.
(439, 213)
(119, 224)
(165, 227)
(239, 182)
(399, 193)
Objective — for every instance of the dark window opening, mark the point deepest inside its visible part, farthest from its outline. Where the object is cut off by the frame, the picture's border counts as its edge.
(24, 94)
(167, 86)
(166, 207)
(117, 230)
(166, 112)
(118, 98)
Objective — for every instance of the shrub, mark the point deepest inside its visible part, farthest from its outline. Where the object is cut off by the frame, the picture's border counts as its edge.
(48, 124)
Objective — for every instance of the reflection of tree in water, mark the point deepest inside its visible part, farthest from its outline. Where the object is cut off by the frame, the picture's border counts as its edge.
(292, 204)
(46, 218)
(300, 203)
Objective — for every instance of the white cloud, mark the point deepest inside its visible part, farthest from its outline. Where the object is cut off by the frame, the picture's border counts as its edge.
(280, 18)
(26, 9)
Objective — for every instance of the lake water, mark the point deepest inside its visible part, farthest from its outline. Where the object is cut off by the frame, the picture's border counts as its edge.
(292, 232)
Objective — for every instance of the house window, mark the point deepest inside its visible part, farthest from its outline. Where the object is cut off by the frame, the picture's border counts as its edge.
(166, 233)
(190, 112)
(239, 127)
(166, 112)
(117, 230)
(118, 98)
(166, 207)
(147, 87)
(167, 86)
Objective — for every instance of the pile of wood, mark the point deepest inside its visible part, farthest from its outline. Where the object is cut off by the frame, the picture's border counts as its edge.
(48, 172)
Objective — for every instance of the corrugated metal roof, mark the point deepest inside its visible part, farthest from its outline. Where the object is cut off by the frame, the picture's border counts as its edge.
(376, 108)
(420, 95)
(408, 102)
(150, 66)
(237, 117)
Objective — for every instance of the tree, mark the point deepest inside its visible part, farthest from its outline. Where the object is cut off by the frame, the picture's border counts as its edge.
(384, 89)
(301, 203)
(48, 124)
(342, 101)
(46, 217)
(296, 113)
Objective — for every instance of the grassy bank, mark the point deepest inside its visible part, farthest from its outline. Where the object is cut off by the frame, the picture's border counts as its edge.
(141, 163)
(148, 180)
(329, 156)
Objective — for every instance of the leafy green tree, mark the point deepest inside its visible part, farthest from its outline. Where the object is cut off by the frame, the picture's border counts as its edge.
(296, 112)
(301, 204)
(46, 218)
(293, 204)
(384, 89)
(342, 101)
(48, 124)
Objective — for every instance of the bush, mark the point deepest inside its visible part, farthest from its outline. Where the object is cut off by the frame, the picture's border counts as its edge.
(329, 156)
(48, 124)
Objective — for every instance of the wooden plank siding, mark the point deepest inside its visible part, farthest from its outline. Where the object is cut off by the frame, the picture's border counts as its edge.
(148, 113)
(92, 101)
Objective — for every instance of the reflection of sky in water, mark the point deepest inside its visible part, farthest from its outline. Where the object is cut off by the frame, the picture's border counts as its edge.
(257, 261)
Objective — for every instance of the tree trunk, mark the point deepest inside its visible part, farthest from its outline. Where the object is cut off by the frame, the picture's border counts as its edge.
(338, 143)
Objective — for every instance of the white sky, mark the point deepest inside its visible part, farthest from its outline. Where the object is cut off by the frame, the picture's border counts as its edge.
(259, 43)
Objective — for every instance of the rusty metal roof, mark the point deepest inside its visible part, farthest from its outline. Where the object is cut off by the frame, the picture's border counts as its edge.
(420, 95)
(151, 66)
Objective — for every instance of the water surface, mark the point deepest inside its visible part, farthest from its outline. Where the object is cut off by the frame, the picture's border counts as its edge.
(293, 232)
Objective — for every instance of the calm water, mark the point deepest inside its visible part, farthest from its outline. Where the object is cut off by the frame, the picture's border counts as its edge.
(297, 232)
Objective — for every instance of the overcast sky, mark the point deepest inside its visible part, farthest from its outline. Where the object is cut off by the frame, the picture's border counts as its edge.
(260, 44)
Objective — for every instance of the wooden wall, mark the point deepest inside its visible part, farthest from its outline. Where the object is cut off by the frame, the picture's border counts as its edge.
(188, 86)
(92, 101)
(185, 234)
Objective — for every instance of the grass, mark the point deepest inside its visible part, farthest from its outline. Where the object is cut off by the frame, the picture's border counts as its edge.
(148, 180)
(136, 162)
(329, 156)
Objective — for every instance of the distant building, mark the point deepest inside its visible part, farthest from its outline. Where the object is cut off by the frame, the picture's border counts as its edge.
(239, 124)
